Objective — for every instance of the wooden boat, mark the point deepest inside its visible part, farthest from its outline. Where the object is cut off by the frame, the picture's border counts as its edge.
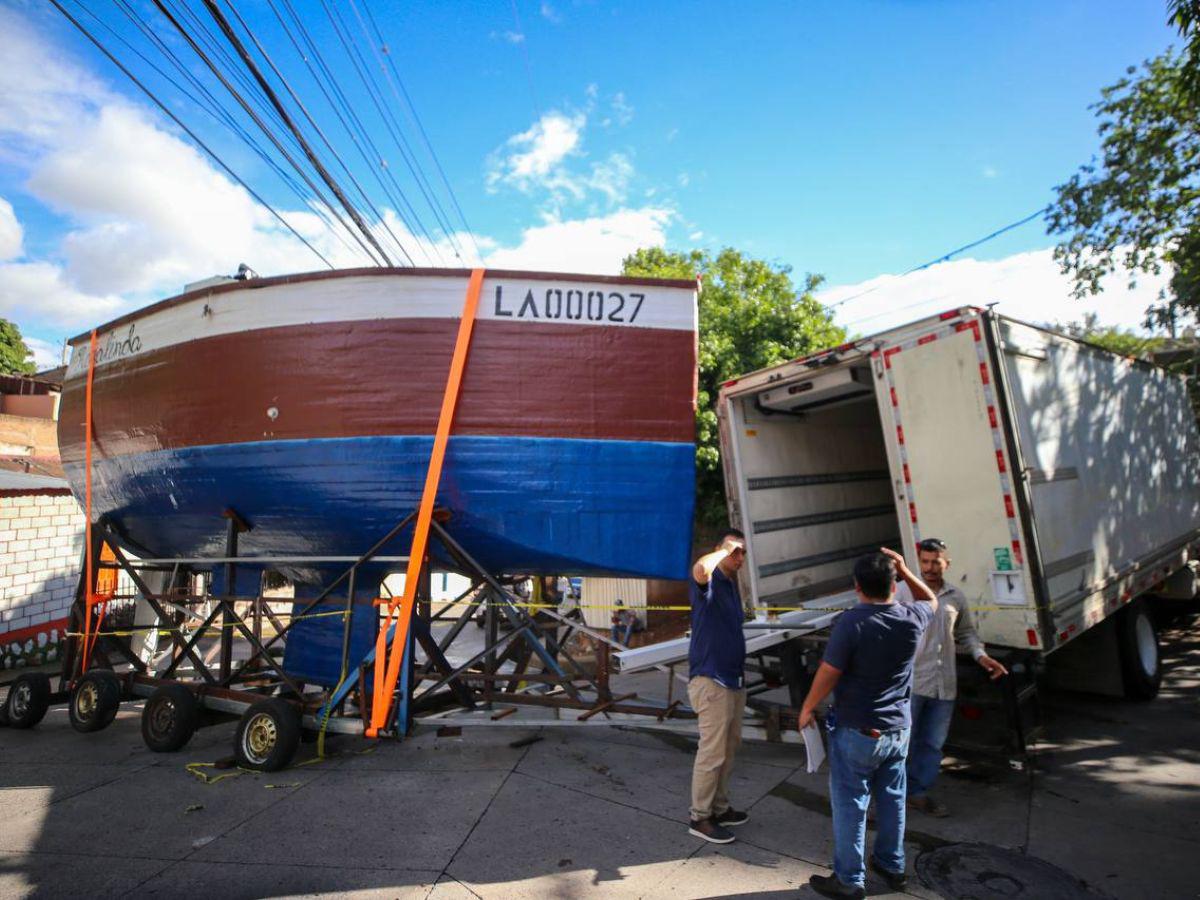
(307, 403)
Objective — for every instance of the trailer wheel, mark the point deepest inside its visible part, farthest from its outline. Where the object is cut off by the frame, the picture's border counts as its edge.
(1141, 663)
(267, 735)
(95, 701)
(169, 718)
(27, 701)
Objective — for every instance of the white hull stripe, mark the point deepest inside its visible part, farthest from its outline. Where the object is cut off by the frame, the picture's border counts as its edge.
(566, 301)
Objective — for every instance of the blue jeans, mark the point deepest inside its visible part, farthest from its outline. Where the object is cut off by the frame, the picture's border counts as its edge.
(930, 725)
(862, 767)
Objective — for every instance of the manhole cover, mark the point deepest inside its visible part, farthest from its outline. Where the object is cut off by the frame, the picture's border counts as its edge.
(984, 872)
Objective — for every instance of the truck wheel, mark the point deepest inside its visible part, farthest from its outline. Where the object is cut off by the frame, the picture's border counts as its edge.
(28, 699)
(267, 735)
(169, 718)
(1141, 663)
(95, 701)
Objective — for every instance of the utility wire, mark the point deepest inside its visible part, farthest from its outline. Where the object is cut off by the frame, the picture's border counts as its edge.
(221, 53)
(524, 42)
(392, 126)
(207, 102)
(313, 159)
(405, 209)
(346, 115)
(393, 77)
(190, 133)
(945, 257)
(321, 134)
(266, 130)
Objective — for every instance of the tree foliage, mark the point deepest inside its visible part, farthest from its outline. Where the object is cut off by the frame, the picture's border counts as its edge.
(751, 315)
(15, 356)
(1136, 204)
(1110, 337)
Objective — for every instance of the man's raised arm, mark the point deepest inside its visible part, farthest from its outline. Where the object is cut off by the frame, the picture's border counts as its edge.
(703, 569)
(918, 588)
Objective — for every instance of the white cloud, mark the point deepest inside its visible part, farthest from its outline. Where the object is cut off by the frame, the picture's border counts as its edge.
(1025, 286)
(40, 292)
(535, 157)
(11, 233)
(145, 212)
(990, 172)
(512, 37)
(612, 177)
(42, 94)
(548, 158)
(45, 354)
(621, 109)
(550, 13)
(594, 245)
(683, 179)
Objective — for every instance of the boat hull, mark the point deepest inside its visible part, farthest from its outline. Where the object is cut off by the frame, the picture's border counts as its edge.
(307, 404)
(517, 504)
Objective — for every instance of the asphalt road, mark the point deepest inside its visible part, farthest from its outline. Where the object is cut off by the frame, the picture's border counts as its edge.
(1113, 799)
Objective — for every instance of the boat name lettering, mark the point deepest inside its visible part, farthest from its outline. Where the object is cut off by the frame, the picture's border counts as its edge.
(573, 305)
(116, 347)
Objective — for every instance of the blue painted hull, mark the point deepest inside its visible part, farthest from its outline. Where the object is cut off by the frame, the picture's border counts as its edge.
(519, 505)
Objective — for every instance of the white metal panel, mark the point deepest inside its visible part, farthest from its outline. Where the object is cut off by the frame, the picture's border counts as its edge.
(1113, 460)
(812, 616)
(954, 488)
(811, 489)
(599, 595)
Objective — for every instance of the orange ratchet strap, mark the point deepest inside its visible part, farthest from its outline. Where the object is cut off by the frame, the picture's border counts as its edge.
(89, 564)
(384, 684)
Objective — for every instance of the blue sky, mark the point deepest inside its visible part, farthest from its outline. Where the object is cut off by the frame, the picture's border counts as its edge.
(850, 139)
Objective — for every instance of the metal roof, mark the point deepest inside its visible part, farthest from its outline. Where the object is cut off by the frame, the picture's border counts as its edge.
(25, 481)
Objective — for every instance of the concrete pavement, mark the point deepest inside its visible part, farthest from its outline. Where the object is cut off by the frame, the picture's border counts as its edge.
(1114, 799)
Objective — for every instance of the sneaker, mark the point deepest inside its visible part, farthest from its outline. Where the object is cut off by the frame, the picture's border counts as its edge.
(832, 886)
(708, 830)
(897, 881)
(929, 806)
(731, 816)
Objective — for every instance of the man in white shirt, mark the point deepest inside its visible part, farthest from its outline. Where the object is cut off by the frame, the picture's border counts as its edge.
(935, 676)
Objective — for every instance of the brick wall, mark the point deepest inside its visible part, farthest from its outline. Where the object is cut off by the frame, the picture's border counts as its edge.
(41, 542)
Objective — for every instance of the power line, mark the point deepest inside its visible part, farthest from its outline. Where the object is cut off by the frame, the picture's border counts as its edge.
(207, 102)
(945, 257)
(262, 125)
(190, 133)
(313, 159)
(537, 113)
(349, 119)
(392, 72)
(321, 134)
(390, 123)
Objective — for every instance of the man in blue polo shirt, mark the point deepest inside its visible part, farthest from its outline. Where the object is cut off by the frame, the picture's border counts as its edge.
(717, 685)
(868, 665)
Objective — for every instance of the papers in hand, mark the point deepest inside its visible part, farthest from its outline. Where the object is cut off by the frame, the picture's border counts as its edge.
(813, 746)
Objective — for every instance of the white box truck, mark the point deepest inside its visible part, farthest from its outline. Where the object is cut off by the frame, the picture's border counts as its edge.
(1065, 478)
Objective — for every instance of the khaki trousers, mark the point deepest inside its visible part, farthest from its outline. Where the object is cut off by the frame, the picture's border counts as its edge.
(719, 710)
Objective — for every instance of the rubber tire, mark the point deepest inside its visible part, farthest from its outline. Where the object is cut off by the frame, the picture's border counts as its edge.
(182, 724)
(38, 684)
(286, 721)
(108, 701)
(1139, 684)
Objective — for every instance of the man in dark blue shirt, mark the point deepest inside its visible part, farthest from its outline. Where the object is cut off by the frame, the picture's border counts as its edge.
(868, 666)
(717, 685)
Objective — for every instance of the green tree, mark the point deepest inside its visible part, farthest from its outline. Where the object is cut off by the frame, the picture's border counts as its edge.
(751, 315)
(1136, 205)
(15, 356)
(1111, 337)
